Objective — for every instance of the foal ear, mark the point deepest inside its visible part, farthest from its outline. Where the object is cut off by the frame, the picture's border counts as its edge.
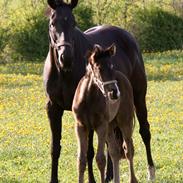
(96, 49)
(112, 49)
(73, 3)
(88, 54)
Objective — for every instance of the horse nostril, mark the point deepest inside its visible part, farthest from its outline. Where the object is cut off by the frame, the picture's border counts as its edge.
(114, 94)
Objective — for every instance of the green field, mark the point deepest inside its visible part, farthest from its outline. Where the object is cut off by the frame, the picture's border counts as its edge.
(25, 134)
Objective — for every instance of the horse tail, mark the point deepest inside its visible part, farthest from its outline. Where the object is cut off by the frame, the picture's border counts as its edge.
(134, 120)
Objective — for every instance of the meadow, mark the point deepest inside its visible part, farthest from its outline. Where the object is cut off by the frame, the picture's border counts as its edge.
(25, 133)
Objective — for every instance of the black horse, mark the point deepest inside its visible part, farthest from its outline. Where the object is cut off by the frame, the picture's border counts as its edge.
(65, 65)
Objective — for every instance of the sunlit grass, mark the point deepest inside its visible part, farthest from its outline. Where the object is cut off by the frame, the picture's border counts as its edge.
(25, 133)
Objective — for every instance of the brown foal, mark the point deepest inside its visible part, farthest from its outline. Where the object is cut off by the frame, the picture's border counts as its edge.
(103, 102)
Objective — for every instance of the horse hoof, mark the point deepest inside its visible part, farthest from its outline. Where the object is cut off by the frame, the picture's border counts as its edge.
(151, 173)
(108, 179)
(53, 181)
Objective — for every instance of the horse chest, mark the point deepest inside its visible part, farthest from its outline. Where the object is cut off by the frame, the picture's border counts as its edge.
(61, 93)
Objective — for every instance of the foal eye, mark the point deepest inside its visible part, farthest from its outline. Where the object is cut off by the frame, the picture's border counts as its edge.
(51, 26)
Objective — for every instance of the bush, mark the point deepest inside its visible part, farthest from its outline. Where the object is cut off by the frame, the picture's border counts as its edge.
(30, 42)
(24, 34)
(157, 30)
(84, 16)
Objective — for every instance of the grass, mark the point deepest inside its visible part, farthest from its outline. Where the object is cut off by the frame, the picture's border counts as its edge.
(25, 134)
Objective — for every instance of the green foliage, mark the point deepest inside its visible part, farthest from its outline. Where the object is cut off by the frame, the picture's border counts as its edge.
(31, 40)
(24, 34)
(157, 30)
(25, 31)
(84, 16)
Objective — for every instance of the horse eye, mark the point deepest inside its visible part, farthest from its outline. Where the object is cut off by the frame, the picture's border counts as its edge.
(65, 18)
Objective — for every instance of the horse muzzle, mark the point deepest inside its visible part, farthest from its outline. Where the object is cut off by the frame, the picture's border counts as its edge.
(65, 60)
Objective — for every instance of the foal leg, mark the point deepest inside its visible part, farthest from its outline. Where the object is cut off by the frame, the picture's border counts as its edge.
(55, 113)
(109, 171)
(82, 135)
(100, 156)
(129, 151)
(141, 111)
(114, 152)
(90, 156)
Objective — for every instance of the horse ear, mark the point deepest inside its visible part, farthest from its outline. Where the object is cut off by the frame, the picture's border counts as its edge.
(73, 3)
(112, 49)
(52, 4)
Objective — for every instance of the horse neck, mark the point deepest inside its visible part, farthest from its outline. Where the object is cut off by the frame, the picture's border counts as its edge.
(81, 44)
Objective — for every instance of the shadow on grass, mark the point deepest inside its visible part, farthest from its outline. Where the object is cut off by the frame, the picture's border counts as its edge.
(165, 77)
(16, 85)
(9, 180)
(23, 68)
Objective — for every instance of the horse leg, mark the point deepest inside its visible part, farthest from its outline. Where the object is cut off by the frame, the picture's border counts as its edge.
(90, 156)
(55, 113)
(82, 135)
(100, 156)
(109, 170)
(141, 111)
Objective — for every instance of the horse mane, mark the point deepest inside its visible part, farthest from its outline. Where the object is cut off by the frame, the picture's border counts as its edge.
(81, 44)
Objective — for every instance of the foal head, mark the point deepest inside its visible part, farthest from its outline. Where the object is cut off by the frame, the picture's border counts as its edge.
(101, 67)
(61, 29)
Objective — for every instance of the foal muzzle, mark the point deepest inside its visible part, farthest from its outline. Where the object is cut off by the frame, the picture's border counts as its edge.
(112, 94)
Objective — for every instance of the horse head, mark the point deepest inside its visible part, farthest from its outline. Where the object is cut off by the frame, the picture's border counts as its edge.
(101, 67)
(61, 31)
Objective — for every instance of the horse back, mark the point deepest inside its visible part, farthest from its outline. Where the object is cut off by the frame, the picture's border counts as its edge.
(126, 110)
(128, 54)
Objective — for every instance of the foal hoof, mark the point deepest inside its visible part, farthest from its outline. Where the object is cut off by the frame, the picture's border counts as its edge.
(108, 179)
(91, 180)
(151, 173)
